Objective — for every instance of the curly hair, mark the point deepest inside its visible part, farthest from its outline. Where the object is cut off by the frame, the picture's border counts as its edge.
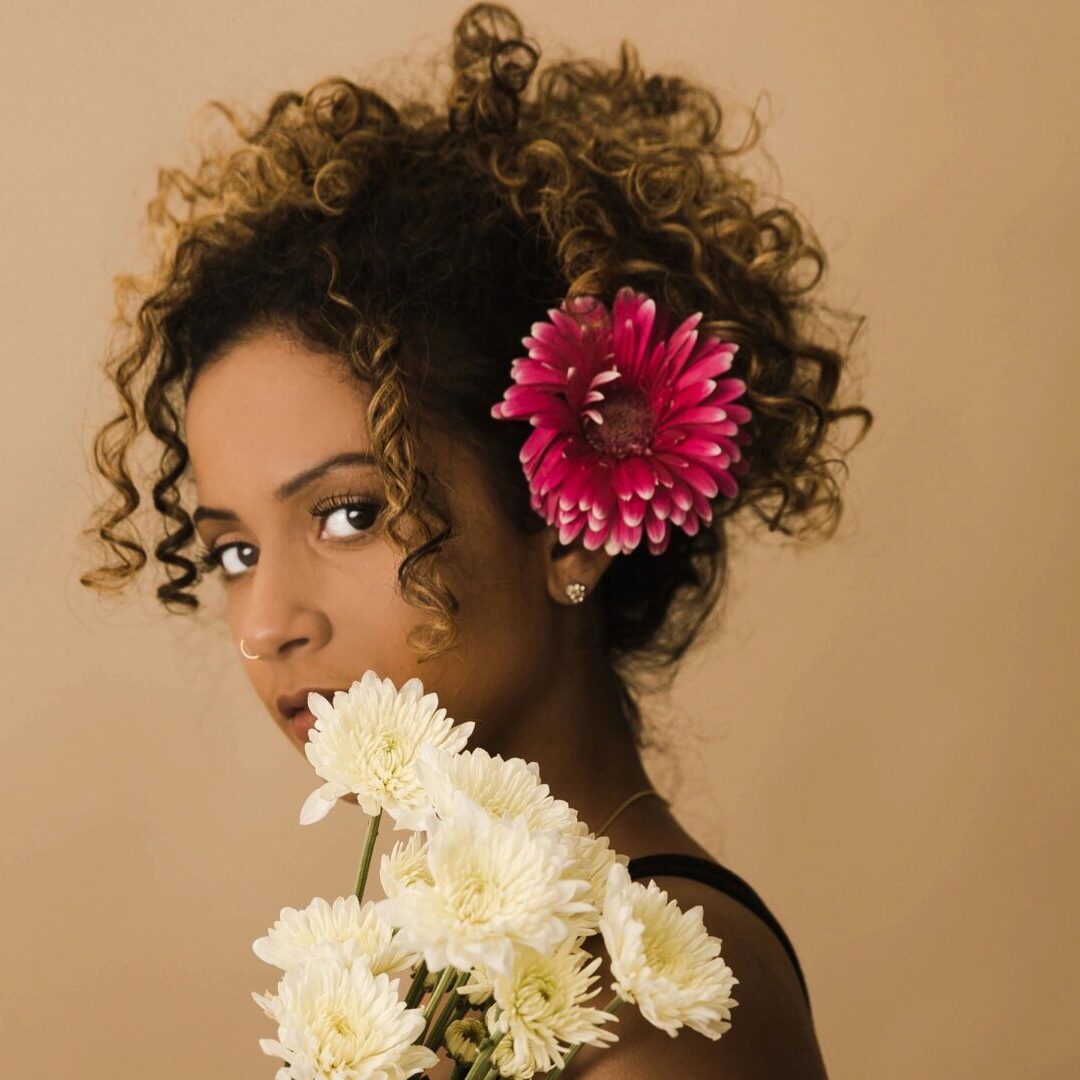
(418, 242)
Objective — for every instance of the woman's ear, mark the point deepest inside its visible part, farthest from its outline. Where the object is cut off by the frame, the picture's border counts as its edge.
(566, 564)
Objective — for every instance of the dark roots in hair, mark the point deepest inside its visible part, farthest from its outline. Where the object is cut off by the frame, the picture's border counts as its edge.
(419, 242)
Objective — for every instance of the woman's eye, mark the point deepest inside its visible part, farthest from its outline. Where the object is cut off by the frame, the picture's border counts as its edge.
(358, 516)
(342, 520)
(241, 551)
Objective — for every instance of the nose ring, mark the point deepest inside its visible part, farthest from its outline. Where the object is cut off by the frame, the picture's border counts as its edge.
(244, 652)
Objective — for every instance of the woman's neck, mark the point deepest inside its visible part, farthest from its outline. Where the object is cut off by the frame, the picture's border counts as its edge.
(577, 734)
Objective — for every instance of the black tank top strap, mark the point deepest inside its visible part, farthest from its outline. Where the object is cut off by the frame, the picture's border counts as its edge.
(719, 876)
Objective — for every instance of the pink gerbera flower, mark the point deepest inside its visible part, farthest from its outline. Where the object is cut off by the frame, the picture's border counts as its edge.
(634, 433)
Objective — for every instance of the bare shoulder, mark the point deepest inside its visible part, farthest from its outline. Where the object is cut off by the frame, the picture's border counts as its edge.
(772, 1032)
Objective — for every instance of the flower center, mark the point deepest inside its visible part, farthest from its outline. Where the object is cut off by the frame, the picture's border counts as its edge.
(536, 993)
(340, 1025)
(628, 422)
(657, 950)
(476, 897)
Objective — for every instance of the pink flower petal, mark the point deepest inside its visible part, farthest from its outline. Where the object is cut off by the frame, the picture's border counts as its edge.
(681, 345)
(553, 413)
(699, 446)
(568, 533)
(659, 549)
(641, 476)
(538, 441)
(622, 479)
(656, 529)
(714, 362)
(594, 539)
(697, 477)
(699, 414)
(602, 377)
(729, 389)
(691, 395)
(680, 496)
(538, 372)
(661, 504)
(728, 486)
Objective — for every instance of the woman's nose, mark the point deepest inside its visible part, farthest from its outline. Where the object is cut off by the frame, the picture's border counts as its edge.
(279, 612)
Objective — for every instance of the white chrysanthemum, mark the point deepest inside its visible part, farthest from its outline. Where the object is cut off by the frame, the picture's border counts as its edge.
(540, 1004)
(592, 857)
(664, 959)
(337, 1020)
(494, 886)
(512, 786)
(366, 743)
(501, 786)
(359, 930)
(405, 864)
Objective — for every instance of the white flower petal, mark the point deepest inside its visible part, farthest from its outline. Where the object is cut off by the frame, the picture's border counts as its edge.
(316, 807)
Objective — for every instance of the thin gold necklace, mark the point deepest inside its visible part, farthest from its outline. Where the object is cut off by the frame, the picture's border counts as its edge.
(626, 802)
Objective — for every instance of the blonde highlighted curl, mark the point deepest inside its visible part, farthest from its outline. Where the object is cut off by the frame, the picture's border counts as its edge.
(418, 242)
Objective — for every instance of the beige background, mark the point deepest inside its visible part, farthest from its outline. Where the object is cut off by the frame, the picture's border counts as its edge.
(887, 724)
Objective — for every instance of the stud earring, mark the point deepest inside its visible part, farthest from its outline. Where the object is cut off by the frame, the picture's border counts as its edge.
(576, 592)
(245, 653)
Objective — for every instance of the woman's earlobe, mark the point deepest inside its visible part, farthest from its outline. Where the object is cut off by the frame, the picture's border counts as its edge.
(572, 570)
(576, 592)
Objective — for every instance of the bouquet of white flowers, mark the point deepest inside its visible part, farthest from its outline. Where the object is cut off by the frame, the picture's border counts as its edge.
(488, 908)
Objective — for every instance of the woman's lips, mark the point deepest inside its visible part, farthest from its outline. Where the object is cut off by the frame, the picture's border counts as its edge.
(302, 723)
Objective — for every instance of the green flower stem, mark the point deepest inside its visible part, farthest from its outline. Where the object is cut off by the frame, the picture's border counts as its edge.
(365, 861)
(416, 988)
(610, 1007)
(438, 1029)
(460, 1069)
(492, 1073)
(445, 976)
(479, 1066)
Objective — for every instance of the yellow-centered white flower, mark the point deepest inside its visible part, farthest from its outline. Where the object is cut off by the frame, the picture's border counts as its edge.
(664, 959)
(358, 930)
(499, 785)
(337, 1020)
(495, 886)
(513, 786)
(405, 864)
(366, 742)
(540, 1004)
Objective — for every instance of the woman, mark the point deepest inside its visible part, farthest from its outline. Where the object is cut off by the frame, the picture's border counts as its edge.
(324, 352)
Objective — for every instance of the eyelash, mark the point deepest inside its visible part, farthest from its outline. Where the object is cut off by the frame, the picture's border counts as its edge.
(209, 559)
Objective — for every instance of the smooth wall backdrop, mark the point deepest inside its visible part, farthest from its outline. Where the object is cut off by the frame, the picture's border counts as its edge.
(882, 738)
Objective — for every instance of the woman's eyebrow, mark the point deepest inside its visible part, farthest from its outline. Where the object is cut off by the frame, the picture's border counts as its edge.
(291, 487)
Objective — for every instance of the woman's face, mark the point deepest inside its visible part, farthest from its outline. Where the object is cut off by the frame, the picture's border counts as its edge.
(311, 578)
